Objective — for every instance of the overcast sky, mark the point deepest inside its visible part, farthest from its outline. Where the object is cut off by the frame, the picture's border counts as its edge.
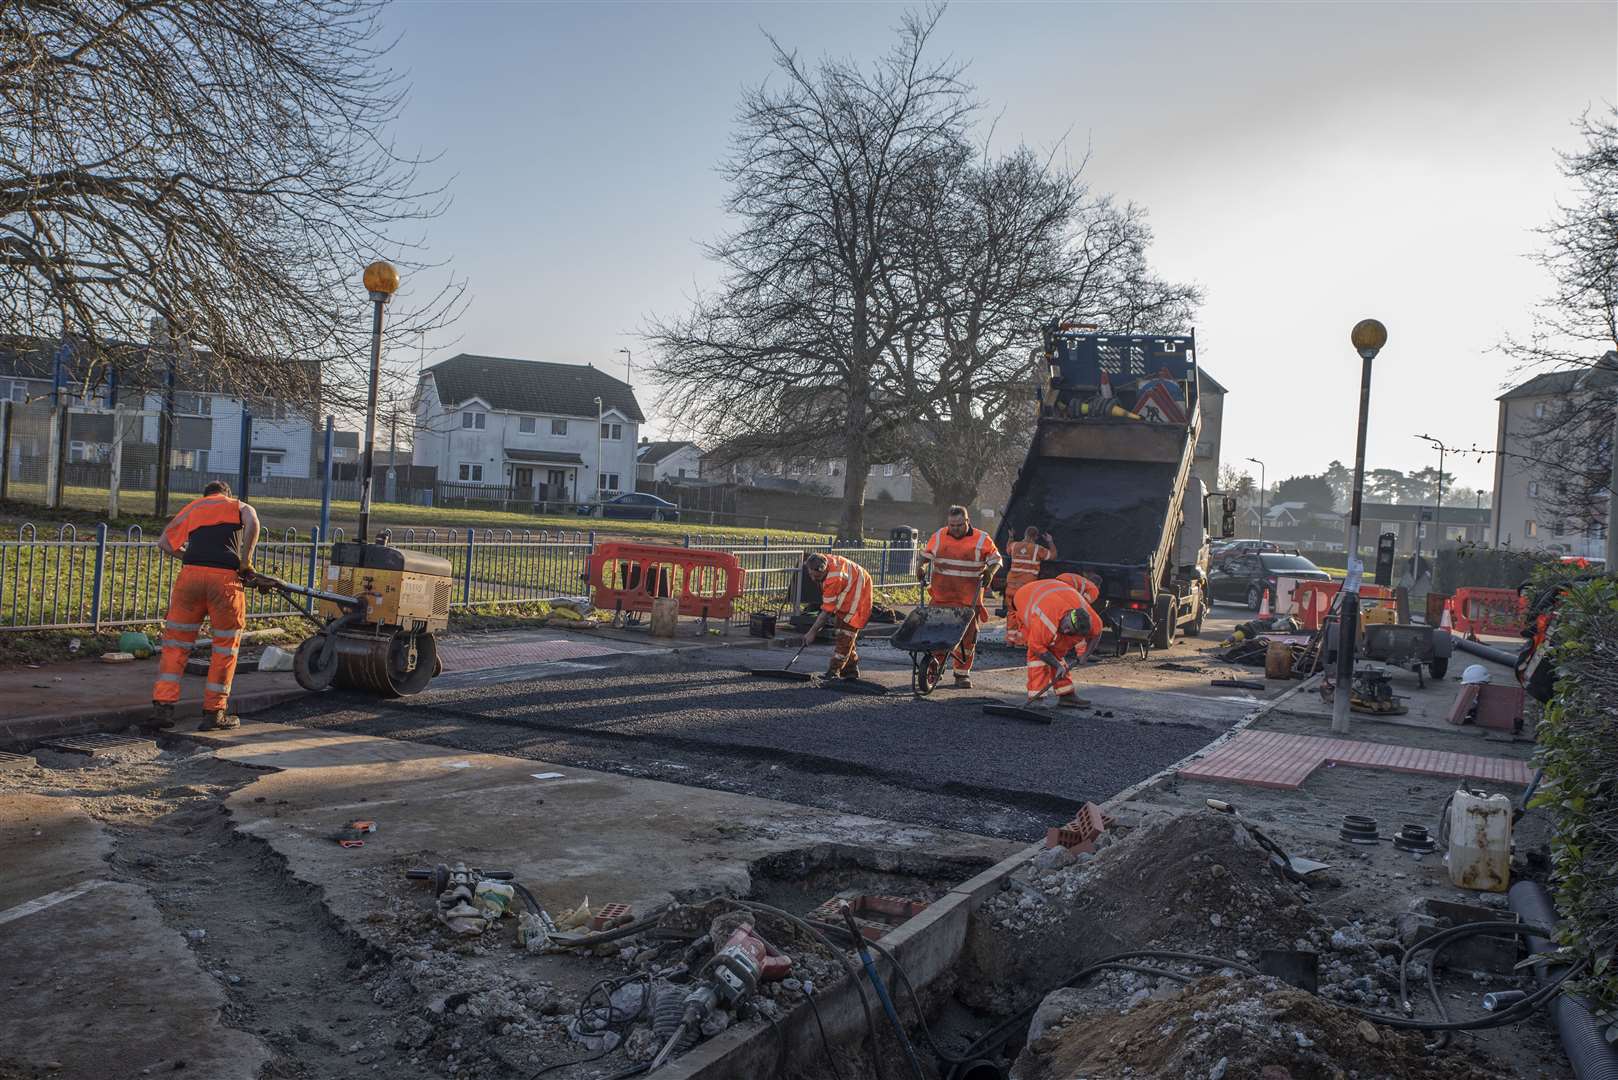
(1306, 164)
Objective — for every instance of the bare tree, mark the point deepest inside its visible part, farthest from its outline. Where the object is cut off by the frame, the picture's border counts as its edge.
(798, 339)
(218, 166)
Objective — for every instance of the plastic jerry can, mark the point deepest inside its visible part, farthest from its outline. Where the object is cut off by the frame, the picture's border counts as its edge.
(1480, 841)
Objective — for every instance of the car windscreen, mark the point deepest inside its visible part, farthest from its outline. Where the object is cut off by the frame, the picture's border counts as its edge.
(1284, 563)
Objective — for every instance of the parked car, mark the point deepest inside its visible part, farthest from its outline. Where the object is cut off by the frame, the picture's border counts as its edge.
(1241, 547)
(1242, 577)
(637, 505)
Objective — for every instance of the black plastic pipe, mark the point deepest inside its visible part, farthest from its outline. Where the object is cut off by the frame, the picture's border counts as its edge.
(1488, 652)
(1592, 1057)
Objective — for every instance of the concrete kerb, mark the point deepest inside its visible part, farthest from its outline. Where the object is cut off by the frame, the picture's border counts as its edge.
(927, 945)
(24, 732)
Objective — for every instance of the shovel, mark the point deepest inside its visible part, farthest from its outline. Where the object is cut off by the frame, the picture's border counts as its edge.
(786, 674)
(1023, 712)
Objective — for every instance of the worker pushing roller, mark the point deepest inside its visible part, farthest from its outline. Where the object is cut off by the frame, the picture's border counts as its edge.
(1025, 556)
(214, 538)
(1059, 621)
(958, 562)
(845, 591)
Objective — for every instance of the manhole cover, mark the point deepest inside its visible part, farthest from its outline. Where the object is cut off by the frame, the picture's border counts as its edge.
(199, 665)
(92, 744)
(15, 762)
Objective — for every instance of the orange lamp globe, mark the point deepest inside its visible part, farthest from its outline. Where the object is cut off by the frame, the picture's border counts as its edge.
(381, 277)
(1368, 337)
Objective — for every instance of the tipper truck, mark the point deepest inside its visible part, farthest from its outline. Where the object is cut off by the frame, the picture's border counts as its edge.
(1109, 476)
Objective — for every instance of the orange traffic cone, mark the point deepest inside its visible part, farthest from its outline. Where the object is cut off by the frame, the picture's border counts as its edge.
(1264, 607)
(1446, 623)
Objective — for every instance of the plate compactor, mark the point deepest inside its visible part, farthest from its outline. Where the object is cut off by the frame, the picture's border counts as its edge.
(377, 618)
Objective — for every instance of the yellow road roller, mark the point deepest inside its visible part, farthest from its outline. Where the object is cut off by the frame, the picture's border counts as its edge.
(378, 615)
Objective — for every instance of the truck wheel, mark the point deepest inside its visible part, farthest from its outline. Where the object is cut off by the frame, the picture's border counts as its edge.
(1439, 667)
(1194, 627)
(1163, 616)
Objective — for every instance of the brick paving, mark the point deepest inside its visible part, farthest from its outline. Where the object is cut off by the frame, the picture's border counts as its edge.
(476, 657)
(1274, 759)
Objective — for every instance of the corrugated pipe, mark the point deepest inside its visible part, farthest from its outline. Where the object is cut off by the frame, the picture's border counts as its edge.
(1592, 1057)
(1477, 648)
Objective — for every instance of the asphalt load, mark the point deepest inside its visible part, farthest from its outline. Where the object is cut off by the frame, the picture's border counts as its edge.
(938, 761)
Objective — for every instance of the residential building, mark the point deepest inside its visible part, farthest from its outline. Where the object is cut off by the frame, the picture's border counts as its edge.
(1529, 510)
(736, 463)
(1424, 526)
(559, 432)
(667, 461)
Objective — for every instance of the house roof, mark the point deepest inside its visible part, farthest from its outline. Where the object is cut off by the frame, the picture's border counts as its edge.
(532, 386)
(650, 453)
(1551, 383)
(544, 457)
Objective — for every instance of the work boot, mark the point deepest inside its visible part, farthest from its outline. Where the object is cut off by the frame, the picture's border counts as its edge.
(1037, 703)
(851, 671)
(162, 717)
(1072, 701)
(963, 682)
(219, 720)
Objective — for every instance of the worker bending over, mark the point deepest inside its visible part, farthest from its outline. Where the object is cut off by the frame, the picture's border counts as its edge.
(958, 561)
(845, 603)
(214, 538)
(1025, 555)
(1059, 620)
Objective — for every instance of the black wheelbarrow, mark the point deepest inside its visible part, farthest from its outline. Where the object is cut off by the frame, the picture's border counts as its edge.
(929, 635)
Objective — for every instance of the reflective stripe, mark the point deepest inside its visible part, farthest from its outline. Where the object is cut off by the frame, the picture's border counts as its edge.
(1046, 620)
(1063, 687)
(225, 650)
(226, 634)
(941, 561)
(172, 625)
(166, 677)
(217, 688)
(1032, 664)
(176, 643)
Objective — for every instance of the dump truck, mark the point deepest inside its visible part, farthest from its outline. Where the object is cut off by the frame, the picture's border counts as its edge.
(1109, 476)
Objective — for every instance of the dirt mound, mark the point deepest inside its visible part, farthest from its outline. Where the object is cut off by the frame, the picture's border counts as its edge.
(1235, 1028)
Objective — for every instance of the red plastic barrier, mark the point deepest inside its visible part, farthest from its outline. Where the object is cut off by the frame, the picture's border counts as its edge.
(628, 577)
(1314, 599)
(1496, 612)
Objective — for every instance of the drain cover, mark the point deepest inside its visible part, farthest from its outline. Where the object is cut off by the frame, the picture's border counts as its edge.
(93, 744)
(16, 762)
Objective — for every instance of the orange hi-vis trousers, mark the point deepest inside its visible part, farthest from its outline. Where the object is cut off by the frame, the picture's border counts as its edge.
(200, 592)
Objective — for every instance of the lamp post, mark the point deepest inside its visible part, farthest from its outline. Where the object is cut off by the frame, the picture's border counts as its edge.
(629, 365)
(1263, 489)
(1368, 338)
(1438, 514)
(600, 419)
(381, 281)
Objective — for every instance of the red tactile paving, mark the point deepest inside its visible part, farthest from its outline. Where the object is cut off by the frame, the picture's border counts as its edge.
(1274, 759)
(480, 657)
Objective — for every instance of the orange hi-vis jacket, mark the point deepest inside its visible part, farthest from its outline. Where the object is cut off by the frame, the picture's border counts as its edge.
(1026, 555)
(846, 591)
(957, 567)
(209, 529)
(1043, 603)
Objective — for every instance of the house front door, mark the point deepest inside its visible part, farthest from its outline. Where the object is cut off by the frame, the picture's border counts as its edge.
(556, 483)
(522, 478)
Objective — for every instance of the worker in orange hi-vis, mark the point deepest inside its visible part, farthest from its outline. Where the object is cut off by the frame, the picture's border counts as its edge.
(214, 538)
(958, 562)
(1059, 621)
(1025, 555)
(845, 603)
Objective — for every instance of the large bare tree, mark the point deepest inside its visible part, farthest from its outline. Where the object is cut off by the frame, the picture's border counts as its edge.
(220, 167)
(797, 340)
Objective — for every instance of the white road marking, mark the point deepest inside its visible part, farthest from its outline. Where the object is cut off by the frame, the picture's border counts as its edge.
(50, 900)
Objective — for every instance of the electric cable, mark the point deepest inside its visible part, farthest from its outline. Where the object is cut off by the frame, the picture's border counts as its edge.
(825, 1043)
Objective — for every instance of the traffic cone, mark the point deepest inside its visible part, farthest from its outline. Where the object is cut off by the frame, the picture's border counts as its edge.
(1446, 623)
(1264, 607)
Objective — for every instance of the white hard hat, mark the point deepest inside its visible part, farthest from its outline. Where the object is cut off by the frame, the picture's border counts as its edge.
(1474, 675)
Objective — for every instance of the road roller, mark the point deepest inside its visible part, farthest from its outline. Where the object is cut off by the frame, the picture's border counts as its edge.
(377, 615)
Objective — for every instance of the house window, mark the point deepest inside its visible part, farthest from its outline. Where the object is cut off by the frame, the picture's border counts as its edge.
(612, 431)
(474, 420)
(261, 408)
(558, 427)
(609, 481)
(197, 404)
(682, 474)
(19, 391)
(1539, 410)
(1530, 528)
(526, 425)
(1533, 489)
(887, 470)
(471, 473)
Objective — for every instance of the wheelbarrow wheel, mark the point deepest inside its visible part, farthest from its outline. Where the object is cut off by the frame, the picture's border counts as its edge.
(313, 664)
(925, 671)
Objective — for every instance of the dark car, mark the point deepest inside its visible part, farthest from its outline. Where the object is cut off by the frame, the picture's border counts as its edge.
(640, 506)
(1242, 577)
(1226, 548)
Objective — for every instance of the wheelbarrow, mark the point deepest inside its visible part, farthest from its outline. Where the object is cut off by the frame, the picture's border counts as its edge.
(929, 634)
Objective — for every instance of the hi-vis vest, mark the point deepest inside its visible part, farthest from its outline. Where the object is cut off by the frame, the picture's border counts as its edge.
(958, 565)
(1026, 555)
(210, 529)
(846, 592)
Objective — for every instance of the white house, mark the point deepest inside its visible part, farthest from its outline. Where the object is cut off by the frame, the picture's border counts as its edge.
(669, 460)
(558, 431)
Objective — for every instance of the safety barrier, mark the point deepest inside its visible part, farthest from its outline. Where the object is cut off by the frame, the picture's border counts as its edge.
(628, 577)
(1314, 600)
(1496, 612)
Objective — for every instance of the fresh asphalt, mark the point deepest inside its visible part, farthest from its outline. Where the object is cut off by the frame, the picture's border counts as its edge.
(700, 719)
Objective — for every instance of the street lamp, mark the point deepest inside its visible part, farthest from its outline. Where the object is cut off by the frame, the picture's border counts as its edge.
(629, 365)
(1368, 337)
(1438, 514)
(381, 281)
(1263, 488)
(601, 416)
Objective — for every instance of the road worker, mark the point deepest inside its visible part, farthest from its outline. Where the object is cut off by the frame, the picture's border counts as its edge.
(1025, 555)
(214, 538)
(1059, 621)
(845, 604)
(958, 562)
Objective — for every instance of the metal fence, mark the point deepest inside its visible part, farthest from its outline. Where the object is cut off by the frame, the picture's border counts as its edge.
(102, 580)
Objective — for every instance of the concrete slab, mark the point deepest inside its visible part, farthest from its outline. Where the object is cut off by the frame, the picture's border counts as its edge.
(96, 986)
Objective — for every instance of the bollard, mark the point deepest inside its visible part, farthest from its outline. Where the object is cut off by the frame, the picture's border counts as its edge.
(466, 585)
(101, 569)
